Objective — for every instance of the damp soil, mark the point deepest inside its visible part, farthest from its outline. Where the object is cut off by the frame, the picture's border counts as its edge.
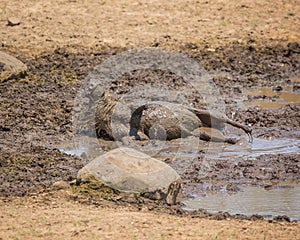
(36, 115)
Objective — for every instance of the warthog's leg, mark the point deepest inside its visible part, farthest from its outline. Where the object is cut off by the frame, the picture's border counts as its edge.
(212, 134)
(214, 121)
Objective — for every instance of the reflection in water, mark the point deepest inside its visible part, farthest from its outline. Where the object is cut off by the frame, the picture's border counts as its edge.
(284, 200)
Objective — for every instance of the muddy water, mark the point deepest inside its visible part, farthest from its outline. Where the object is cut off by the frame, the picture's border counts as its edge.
(260, 147)
(281, 200)
(274, 98)
(182, 151)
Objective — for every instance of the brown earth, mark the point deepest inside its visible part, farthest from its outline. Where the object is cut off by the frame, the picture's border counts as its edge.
(244, 45)
(48, 217)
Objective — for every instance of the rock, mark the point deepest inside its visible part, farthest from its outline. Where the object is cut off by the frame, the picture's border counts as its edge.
(277, 88)
(10, 67)
(129, 170)
(13, 21)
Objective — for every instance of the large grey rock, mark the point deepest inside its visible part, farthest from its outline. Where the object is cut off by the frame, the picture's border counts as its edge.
(127, 169)
(10, 67)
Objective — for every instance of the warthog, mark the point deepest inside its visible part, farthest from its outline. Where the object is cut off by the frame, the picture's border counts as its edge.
(160, 120)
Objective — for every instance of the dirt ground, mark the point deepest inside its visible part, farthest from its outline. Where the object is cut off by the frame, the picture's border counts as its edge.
(244, 45)
(46, 217)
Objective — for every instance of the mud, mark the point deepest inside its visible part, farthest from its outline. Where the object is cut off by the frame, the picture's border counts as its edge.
(264, 169)
(36, 112)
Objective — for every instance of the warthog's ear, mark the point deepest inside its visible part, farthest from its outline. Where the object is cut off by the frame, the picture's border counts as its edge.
(107, 96)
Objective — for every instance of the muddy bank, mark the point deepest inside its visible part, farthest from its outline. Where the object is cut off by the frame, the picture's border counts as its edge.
(265, 170)
(36, 112)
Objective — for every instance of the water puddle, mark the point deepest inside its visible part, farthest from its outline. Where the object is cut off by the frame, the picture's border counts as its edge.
(281, 200)
(260, 147)
(270, 98)
(240, 151)
(87, 148)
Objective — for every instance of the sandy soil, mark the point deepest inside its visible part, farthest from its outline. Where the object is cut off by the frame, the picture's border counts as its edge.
(48, 217)
(61, 41)
(58, 23)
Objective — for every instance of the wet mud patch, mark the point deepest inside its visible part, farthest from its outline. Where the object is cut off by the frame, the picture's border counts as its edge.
(274, 97)
(251, 65)
(30, 172)
(265, 168)
(35, 116)
(270, 123)
(157, 85)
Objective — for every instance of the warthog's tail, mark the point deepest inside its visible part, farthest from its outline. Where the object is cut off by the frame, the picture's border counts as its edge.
(212, 120)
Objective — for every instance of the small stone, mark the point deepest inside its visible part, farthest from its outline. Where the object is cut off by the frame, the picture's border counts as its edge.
(13, 21)
(278, 88)
(211, 49)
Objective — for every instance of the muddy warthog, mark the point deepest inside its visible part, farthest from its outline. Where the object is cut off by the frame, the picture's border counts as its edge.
(159, 120)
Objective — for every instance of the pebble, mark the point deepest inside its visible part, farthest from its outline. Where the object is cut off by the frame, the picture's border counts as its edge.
(13, 21)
